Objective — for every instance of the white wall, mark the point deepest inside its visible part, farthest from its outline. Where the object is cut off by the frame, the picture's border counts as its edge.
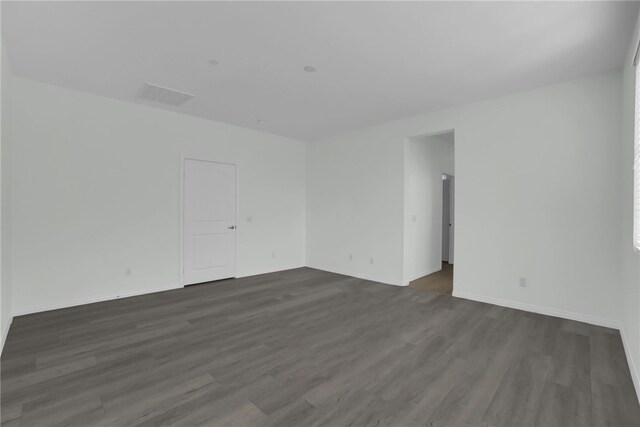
(426, 159)
(630, 259)
(6, 313)
(537, 178)
(96, 190)
(355, 206)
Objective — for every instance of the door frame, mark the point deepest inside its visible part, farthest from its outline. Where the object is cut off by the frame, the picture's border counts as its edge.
(406, 279)
(183, 158)
(452, 219)
(448, 227)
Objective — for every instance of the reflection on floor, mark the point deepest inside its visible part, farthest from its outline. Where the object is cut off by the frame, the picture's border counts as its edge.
(440, 281)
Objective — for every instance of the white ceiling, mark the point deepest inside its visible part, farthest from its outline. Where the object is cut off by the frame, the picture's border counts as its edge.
(376, 61)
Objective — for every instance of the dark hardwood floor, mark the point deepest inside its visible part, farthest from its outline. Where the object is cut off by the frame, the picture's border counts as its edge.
(304, 348)
(440, 281)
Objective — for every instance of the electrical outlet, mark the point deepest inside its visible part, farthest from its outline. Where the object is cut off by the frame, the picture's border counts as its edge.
(128, 272)
(522, 282)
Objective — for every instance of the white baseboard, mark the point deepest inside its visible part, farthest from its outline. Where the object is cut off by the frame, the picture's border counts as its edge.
(363, 276)
(633, 370)
(586, 318)
(419, 275)
(5, 332)
(88, 300)
(274, 270)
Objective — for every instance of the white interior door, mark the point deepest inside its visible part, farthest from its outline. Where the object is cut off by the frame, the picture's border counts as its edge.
(209, 221)
(452, 216)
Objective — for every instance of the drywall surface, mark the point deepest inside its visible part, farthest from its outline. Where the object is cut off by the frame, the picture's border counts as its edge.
(426, 160)
(96, 191)
(355, 197)
(630, 258)
(537, 178)
(6, 313)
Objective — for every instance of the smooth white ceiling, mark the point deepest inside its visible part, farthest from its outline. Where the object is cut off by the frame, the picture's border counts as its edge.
(376, 61)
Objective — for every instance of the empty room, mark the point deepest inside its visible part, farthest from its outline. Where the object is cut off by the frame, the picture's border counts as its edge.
(320, 213)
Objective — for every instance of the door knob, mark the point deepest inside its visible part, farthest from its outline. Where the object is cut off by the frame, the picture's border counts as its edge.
(233, 227)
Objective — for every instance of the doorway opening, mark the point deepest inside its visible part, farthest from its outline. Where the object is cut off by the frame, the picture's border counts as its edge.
(430, 212)
(448, 187)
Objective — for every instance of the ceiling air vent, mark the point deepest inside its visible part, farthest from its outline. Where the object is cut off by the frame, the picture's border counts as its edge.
(163, 95)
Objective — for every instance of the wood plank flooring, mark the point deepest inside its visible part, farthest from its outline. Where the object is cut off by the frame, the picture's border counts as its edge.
(305, 348)
(440, 281)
